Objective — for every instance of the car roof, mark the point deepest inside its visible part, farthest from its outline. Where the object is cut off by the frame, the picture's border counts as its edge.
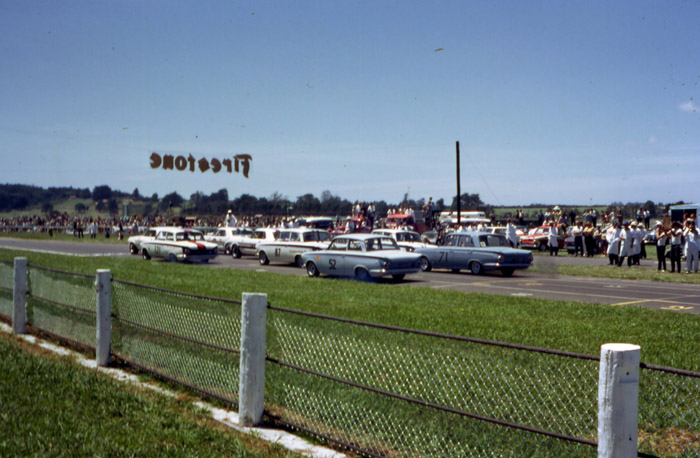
(361, 236)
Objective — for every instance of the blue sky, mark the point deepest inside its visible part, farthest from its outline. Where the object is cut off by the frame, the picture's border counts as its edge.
(559, 102)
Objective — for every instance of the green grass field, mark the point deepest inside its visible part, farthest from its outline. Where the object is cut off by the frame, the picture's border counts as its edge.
(51, 406)
(560, 325)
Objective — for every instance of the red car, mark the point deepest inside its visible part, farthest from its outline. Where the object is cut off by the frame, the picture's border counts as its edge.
(537, 239)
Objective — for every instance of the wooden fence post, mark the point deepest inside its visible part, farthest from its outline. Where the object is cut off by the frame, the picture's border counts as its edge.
(104, 316)
(251, 388)
(19, 297)
(618, 397)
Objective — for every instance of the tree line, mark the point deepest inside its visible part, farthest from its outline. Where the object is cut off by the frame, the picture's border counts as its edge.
(106, 199)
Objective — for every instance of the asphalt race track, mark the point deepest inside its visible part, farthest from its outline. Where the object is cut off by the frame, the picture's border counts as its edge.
(665, 296)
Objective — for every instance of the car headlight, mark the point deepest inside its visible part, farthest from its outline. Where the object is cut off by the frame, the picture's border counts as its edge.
(500, 258)
(186, 250)
(384, 264)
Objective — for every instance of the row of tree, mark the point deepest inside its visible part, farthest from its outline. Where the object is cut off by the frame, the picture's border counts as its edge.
(22, 197)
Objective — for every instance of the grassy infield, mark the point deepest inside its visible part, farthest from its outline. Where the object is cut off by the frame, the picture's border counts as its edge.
(667, 338)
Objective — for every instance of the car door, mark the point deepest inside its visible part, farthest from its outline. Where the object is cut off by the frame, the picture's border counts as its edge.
(445, 253)
(332, 261)
(283, 252)
(462, 253)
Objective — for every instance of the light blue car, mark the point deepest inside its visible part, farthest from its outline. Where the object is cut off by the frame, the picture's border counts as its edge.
(362, 256)
(476, 251)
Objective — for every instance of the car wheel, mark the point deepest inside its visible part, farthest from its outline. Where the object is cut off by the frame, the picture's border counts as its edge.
(424, 264)
(227, 249)
(236, 252)
(311, 269)
(172, 258)
(145, 255)
(398, 277)
(133, 249)
(476, 268)
(542, 246)
(507, 272)
(362, 275)
(262, 257)
(299, 262)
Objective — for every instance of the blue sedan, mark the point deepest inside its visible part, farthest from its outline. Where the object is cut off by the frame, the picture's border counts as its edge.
(476, 251)
(363, 256)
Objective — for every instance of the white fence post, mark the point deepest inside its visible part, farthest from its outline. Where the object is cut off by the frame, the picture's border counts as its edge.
(618, 397)
(251, 388)
(104, 316)
(19, 297)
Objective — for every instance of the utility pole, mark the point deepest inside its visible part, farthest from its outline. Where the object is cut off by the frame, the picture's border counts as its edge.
(459, 193)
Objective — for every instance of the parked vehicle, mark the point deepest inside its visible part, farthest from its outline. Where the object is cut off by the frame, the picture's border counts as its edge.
(135, 241)
(226, 238)
(291, 244)
(362, 256)
(476, 251)
(249, 246)
(537, 239)
(408, 240)
(178, 244)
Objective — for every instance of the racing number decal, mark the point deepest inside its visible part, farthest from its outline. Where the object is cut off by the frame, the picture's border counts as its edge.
(157, 247)
(443, 254)
(278, 252)
(331, 264)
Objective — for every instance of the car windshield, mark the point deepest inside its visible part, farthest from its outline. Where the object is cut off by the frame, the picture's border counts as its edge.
(194, 236)
(317, 236)
(407, 237)
(263, 235)
(493, 240)
(380, 244)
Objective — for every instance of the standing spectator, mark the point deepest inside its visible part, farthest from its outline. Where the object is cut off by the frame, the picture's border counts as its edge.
(661, 240)
(553, 240)
(626, 241)
(93, 229)
(511, 234)
(676, 237)
(589, 238)
(613, 238)
(594, 217)
(638, 251)
(230, 219)
(577, 232)
(691, 246)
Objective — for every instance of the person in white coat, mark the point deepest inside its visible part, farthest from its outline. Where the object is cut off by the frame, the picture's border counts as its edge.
(613, 238)
(230, 219)
(638, 234)
(626, 241)
(512, 234)
(692, 246)
(553, 240)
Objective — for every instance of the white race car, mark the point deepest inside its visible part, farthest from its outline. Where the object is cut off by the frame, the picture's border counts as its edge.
(291, 244)
(178, 244)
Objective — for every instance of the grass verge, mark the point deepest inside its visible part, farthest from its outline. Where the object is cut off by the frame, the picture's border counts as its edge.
(667, 338)
(51, 406)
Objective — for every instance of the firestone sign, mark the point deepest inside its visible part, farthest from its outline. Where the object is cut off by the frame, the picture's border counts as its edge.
(189, 162)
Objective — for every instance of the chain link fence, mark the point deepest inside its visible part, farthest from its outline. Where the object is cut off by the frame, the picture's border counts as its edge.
(399, 393)
(6, 286)
(669, 412)
(62, 304)
(188, 339)
(376, 390)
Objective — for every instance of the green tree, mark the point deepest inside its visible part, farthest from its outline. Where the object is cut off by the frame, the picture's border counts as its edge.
(80, 208)
(102, 192)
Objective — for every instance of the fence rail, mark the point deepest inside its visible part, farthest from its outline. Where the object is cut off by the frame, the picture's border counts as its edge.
(377, 390)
